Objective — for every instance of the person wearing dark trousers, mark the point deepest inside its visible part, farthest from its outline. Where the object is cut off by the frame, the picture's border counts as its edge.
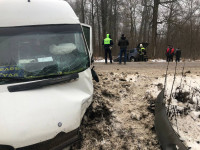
(123, 44)
(168, 53)
(108, 43)
(172, 54)
(178, 54)
(141, 52)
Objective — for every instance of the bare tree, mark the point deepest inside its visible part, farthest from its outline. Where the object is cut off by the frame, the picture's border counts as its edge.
(159, 22)
(155, 23)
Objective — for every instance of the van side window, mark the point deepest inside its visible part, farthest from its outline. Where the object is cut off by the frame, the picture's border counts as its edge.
(86, 31)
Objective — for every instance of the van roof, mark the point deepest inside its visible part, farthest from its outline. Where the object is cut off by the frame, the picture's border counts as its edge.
(36, 12)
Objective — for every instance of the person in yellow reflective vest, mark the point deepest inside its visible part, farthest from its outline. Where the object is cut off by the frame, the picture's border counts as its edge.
(108, 43)
(141, 52)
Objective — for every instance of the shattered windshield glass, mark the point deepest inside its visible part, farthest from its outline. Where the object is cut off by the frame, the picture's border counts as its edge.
(41, 51)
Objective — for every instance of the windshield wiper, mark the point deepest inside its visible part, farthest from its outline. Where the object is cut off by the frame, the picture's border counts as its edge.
(13, 78)
(40, 84)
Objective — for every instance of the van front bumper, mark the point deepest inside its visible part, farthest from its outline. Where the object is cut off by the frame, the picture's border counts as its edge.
(61, 141)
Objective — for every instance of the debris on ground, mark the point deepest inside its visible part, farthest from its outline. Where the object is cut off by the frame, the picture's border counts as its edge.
(119, 117)
(122, 113)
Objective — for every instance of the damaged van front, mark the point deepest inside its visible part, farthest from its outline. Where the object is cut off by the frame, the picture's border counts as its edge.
(45, 74)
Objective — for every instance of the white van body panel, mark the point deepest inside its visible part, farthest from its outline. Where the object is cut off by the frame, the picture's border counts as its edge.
(30, 117)
(36, 12)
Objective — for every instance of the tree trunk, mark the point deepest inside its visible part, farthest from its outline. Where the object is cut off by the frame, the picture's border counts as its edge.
(169, 26)
(142, 26)
(154, 26)
(115, 32)
(110, 16)
(104, 14)
(99, 30)
(93, 31)
(82, 12)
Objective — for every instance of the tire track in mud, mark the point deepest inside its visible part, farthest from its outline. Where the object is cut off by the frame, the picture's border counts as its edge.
(119, 117)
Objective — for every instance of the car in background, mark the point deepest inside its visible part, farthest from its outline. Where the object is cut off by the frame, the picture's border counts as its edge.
(133, 54)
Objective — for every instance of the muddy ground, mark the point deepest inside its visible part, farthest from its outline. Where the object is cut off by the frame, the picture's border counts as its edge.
(122, 114)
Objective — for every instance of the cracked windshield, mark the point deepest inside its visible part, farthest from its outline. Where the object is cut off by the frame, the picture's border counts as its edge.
(41, 52)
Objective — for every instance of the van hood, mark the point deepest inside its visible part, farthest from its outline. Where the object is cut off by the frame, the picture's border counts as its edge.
(35, 114)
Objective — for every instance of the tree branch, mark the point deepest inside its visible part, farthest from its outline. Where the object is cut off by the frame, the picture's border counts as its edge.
(147, 5)
(167, 2)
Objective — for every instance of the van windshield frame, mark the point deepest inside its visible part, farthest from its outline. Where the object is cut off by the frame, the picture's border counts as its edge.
(41, 52)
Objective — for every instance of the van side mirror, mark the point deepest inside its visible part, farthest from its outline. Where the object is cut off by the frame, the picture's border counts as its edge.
(94, 75)
(87, 31)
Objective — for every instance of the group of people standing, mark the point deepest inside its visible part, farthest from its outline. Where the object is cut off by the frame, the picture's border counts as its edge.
(170, 53)
(123, 44)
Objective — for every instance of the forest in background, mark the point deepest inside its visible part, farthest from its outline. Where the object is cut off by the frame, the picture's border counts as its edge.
(158, 22)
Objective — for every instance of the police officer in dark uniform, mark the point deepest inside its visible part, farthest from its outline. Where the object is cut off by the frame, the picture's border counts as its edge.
(108, 43)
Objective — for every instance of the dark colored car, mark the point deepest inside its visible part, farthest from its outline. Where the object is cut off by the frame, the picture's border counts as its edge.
(133, 54)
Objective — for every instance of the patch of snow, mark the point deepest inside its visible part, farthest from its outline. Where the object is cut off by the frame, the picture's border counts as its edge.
(195, 114)
(131, 78)
(100, 60)
(157, 60)
(188, 122)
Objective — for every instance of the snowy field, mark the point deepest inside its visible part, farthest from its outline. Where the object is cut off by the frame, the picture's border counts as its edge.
(185, 104)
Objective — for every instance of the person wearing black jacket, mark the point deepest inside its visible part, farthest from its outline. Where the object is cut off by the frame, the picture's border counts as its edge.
(178, 54)
(123, 44)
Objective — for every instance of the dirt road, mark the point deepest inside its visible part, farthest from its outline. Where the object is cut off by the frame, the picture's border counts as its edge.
(148, 67)
(121, 116)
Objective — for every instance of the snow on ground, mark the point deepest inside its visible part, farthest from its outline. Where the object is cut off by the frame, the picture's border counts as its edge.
(153, 60)
(157, 60)
(100, 60)
(191, 60)
(121, 116)
(186, 101)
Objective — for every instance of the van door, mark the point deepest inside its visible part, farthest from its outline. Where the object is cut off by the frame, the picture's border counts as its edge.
(87, 30)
